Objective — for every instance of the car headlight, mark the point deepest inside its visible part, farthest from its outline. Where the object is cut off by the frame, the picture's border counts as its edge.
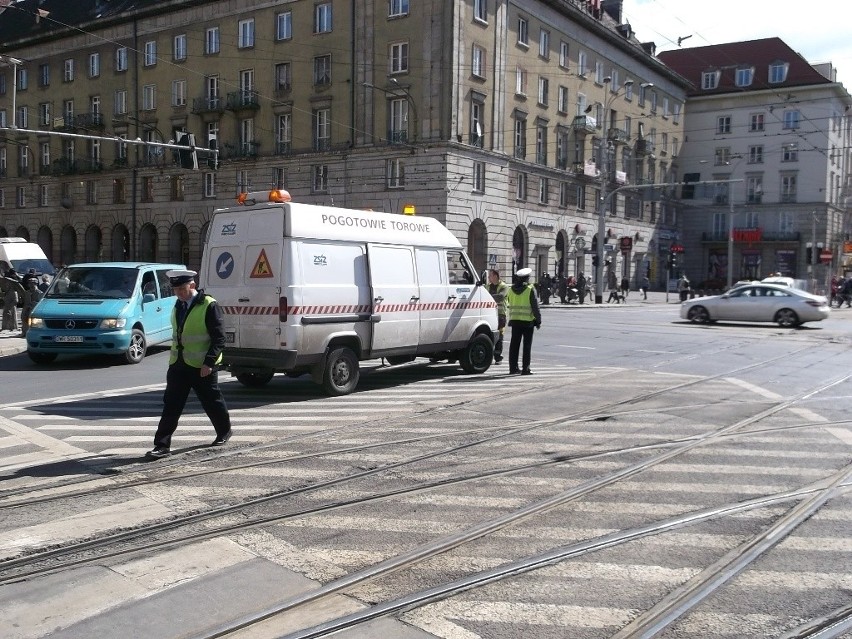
(114, 322)
(36, 322)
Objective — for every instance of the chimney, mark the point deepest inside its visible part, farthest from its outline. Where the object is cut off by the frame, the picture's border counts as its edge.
(650, 48)
(613, 9)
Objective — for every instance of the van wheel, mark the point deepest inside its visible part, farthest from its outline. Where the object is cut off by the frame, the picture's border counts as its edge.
(254, 380)
(341, 372)
(478, 355)
(41, 358)
(135, 353)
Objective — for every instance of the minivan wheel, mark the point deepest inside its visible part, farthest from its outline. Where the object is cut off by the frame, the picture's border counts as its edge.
(254, 380)
(135, 352)
(41, 358)
(341, 373)
(478, 355)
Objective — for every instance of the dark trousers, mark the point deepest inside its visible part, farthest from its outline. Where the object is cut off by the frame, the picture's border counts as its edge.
(498, 346)
(521, 331)
(179, 380)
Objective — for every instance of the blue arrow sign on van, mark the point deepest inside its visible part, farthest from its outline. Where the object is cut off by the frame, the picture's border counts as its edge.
(225, 265)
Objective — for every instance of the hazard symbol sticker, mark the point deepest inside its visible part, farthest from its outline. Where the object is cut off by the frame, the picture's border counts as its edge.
(261, 266)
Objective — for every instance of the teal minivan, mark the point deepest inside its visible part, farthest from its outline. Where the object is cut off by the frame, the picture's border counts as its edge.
(118, 308)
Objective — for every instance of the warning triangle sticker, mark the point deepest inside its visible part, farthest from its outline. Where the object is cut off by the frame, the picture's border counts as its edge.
(261, 266)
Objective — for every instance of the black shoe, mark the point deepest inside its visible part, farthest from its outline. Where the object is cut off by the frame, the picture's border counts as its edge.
(514, 371)
(498, 359)
(158, 453)
(221, 440)
(526, 371)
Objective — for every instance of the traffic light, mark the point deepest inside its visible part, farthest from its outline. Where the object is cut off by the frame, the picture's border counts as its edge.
(810, 255)
(188, 157)
(672, 261)
(594, 260)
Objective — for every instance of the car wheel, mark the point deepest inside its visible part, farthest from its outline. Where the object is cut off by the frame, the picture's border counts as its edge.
(787, 318)
(341, 372)
(478, 355)
(699, 315)
(135, 352)
(254, 380)
(41, 358)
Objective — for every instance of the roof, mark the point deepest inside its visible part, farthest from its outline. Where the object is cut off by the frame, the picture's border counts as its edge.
(728, 58)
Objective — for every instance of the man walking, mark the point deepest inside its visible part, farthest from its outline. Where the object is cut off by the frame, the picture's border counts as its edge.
(524, 318)
(197, 345)
(498, 290)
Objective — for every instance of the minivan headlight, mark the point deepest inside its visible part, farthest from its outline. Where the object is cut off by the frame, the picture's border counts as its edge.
(36, 322)
(113, 322)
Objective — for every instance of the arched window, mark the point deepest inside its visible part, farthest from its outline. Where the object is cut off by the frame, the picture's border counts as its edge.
(179, 244)
(519, 249)
(92, 249)
(68, 245)
(477, 245)
(23, 232)
(148, 243)
(120, 247)
(45, 241)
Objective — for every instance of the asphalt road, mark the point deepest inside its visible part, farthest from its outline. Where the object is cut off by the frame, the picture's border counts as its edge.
(652, 478)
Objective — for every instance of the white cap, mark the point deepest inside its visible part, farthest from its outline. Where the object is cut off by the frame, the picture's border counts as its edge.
(524, 272)
(179, 277)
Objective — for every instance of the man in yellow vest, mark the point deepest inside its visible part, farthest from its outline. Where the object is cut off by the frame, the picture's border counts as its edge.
(524, 318)
(197, 345)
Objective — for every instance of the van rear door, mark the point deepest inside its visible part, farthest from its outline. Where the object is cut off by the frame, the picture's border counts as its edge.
(396, 318)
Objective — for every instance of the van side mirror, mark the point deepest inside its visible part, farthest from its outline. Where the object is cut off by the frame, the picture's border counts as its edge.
(148, 297)
(483, 278)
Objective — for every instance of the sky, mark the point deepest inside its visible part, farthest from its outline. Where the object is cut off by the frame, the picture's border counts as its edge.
(816, 30)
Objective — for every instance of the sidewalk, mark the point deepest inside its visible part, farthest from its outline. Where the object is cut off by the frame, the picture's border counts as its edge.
(11, 343)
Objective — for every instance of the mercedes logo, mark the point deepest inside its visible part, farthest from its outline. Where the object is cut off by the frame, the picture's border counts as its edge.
(69, 324)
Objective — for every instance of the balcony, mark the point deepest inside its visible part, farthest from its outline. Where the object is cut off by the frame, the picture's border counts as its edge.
(243, 100)
(398, 136)
(242, 150)
(90, 121)
(321, 144)
(644, 147)
(618, 136)
(283, 148)
(68, 166)
(584, 124)
(741, 233)
(562, 162)
(64, 123)
(208, 104)
(283, 90)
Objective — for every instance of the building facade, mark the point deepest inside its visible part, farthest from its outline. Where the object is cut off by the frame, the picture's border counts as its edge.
(512, 122)
(779, 129)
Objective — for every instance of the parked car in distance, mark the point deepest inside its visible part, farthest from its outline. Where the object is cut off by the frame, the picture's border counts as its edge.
(758, 302)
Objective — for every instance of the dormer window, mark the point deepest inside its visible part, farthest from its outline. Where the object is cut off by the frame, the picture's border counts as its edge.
(710, 79)
(745, 77)
(778, 72)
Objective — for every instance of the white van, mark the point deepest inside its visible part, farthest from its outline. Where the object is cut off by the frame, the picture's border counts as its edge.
(17, 253)
(314, 289)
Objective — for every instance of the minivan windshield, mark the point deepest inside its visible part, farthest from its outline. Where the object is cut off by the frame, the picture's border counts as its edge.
(41, 266)
(87, 282)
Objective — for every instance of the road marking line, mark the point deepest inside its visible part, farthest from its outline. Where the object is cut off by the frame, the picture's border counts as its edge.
(843, 434)
(34, 437)
(587, 348)
(757, 390)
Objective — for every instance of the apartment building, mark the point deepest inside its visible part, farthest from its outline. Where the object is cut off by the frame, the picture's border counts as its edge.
(779, 128)
(503, 119)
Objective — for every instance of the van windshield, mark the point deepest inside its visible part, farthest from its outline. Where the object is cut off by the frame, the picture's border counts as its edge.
(41, 266)
(82, 282)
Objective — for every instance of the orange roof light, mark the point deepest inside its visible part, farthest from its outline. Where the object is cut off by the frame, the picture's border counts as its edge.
(408, 209)
(242, 197)
(279, 195)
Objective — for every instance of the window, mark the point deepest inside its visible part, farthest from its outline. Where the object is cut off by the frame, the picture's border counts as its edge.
(91, 192)
(754, 189)
(23, 160)
(544, 44)
(121, 59)
(395, 173)
(599, 72)
(628, 91)
(44, 154)
(563, 55)
(643, 92)
(523, 32)
(22, 197)
(2, 84)
(23, 79)
(179, 93)
(723, 124)
(479, 177)
(44, 75)
(676, 112)
(245, 33)
(43, 195)
(322, 70)
(723, 155)
(320, 178)
(94, 65)
(398, 57)
(283, 77)
(520, 138)
(2, 122)
(562, 100)
(248, 145)
(521, 193)
(756, 122)
(666, 112)
(786, 222)
(544, 191)
(664, 144)
(788, 188)
(121, 150)
(480, 10)
(791, 119)
(44, 114)
(581, 104)
(521, 81)
(322, 129)
(564, 194)
(541, 143)
(68, 111)
(120, 102)
(744, 77)
(23, 117)
(179, 47)
(2, 199)
(790, 152)
(755, 154)
(149, 97)
(150, 58)
(582, 64)
(778, 72)
(478, 62)
(284, 26)
(581, 197)
(710, 79)
(675, 147)
(397, 8)
(177, 189)
(68, 70)
(398, 121)
(653, 101)
(543, 90)
(211, 41)
(209, 185)
(477, 116)
(322, 18)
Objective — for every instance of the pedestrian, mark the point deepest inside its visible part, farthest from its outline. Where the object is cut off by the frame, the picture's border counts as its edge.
(44, 283)
(196, 352)
(614, 291)
(646, 284)
(499, 290)
(11, 297)
(625, 287)
(683, 287)
(32, 296)
(581, 287)
(524, 318)
(545, 288)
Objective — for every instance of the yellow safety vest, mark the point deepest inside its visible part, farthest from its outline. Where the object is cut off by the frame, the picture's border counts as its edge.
(520, 307)
(194, 337)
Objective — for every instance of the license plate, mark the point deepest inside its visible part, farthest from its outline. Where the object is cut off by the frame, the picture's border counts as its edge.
(230, 338)
(68, 338)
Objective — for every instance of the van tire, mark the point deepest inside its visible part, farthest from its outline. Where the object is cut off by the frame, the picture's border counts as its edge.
(341, 373)
(478, 355)
(254, 380)
(41, 358)
(135, 352)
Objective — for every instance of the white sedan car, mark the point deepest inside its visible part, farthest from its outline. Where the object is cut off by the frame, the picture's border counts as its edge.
(758, 302)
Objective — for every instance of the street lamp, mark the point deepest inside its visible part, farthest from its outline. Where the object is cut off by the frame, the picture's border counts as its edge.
(731, 221)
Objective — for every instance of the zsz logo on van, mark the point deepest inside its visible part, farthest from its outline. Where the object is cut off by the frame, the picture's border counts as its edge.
(229, 229)
(319, 260)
